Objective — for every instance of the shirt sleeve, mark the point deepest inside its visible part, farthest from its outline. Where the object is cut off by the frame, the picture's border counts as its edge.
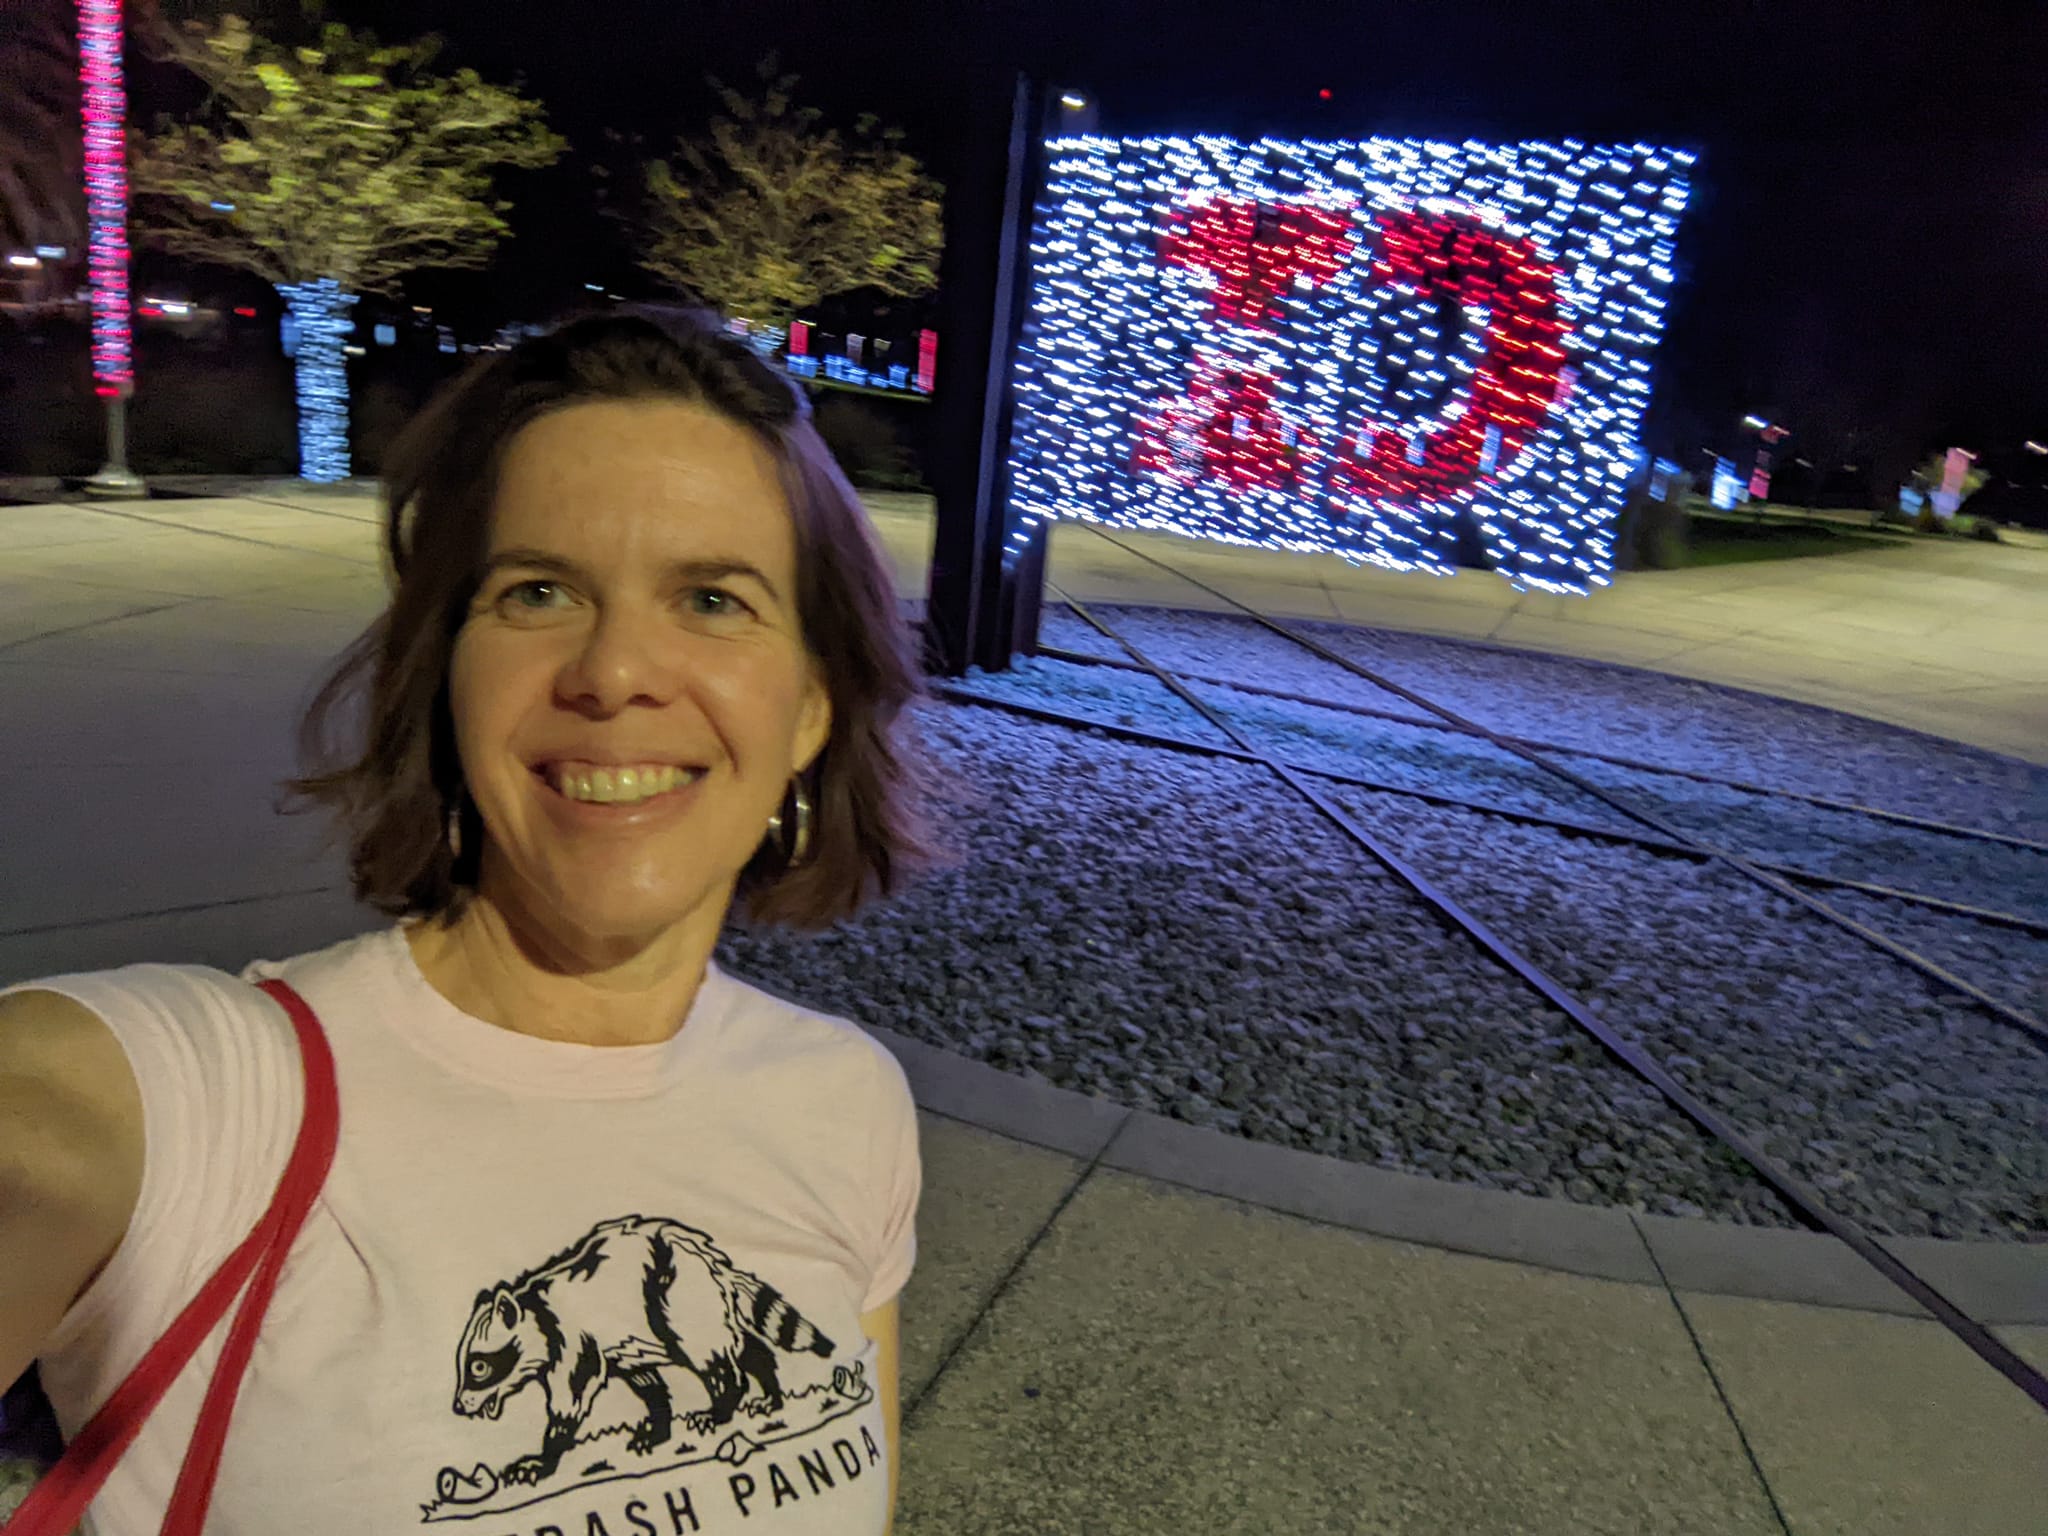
(216, 1065)
(898, 1181)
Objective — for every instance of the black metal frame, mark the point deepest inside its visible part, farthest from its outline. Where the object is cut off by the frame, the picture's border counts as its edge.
(984, 603)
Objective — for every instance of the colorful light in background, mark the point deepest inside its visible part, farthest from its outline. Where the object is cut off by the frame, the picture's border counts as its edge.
(1729, 486)
(1355, 348)
(106, 193)
(861, 361)
(319, 324)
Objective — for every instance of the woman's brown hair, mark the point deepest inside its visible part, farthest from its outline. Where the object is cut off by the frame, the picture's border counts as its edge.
(397, 788)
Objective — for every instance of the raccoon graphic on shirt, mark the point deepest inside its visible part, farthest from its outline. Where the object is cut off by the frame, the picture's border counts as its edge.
(715, 1362)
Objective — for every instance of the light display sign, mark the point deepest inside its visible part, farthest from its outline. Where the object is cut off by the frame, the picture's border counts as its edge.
(1352, 348)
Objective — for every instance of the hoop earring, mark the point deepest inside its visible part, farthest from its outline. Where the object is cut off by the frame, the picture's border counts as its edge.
(798, 804)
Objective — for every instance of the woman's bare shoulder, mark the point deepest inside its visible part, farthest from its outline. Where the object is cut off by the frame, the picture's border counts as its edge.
(65, 1083)
(71, 1152)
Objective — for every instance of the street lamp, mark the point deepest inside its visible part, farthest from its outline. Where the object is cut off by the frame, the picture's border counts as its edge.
(1077, 113)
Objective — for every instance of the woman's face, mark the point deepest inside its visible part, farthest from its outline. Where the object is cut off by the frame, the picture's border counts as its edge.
(630, 690)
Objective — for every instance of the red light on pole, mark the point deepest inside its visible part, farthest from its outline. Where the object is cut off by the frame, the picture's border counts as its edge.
(106, 191)
(105, 111)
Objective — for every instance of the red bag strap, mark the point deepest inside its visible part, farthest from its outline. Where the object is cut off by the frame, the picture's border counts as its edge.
(60, 1496)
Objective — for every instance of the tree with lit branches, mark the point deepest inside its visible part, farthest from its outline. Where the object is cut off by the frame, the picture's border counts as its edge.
(771, 212)
(330, 171)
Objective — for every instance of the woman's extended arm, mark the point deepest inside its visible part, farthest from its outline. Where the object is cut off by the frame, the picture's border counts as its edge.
(70, 1163)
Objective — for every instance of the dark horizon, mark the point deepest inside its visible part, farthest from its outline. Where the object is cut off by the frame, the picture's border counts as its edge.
(1863, 248)
(1870, 205)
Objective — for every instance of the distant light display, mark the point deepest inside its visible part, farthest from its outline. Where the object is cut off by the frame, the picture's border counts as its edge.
(1729, 486)
(1351, 348)
(318, 313)
(105, 111)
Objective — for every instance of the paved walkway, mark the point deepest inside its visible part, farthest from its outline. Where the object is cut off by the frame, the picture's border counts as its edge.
(1118, 1323)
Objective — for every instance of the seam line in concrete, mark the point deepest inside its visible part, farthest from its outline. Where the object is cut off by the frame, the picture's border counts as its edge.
(136, 917)
(1714, 1376)
(112, 618)
(925, 1388)
(239, 538)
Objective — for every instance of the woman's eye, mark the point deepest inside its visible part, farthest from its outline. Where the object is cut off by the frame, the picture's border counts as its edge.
(531, 594)
(714, 601)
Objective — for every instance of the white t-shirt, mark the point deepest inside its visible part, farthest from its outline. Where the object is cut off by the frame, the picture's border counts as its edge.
(547, 1287)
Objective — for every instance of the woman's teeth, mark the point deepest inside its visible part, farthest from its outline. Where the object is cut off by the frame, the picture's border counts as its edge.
(620, 786)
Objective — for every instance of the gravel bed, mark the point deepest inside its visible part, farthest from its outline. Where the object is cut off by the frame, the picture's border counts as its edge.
(1221, 646)
(1181, 935)
(1603, 707)
(1706, 728)
(2012, 966)
(1908, 1107)
(1131, 699)
(1836, 842)
(1411, 756)
(1759, 826)
(1306, 735)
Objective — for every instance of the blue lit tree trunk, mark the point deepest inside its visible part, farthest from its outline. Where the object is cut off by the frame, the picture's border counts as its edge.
(320, 311)
(331, 171)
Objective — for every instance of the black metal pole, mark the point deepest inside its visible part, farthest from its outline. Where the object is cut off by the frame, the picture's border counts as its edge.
(978, 613)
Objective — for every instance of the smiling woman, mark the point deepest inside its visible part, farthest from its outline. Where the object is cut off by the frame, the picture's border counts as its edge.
(648, 637)
(608, 428)
(642, 662)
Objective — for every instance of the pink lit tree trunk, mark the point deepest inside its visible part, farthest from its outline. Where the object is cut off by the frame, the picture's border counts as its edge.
(106, 211)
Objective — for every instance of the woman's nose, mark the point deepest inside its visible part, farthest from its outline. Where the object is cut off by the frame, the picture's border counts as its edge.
(621, 659)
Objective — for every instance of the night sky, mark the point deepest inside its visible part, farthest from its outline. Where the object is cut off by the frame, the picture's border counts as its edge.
(1867, 248)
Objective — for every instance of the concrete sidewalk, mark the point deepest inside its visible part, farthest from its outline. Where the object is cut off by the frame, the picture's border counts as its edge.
(1119, 1323)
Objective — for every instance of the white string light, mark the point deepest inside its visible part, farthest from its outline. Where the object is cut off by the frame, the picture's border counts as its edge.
(1347, 347)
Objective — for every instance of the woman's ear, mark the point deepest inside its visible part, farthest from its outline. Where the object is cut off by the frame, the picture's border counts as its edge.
(813, 723)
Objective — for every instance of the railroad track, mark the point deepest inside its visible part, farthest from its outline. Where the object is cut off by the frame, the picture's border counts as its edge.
(1314, 785)
(2027, 1024)
(1160, 738)
(1720, 781)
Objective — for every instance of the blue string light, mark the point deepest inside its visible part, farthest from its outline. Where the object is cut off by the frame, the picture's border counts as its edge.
(1347, 347)
(319, 312)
